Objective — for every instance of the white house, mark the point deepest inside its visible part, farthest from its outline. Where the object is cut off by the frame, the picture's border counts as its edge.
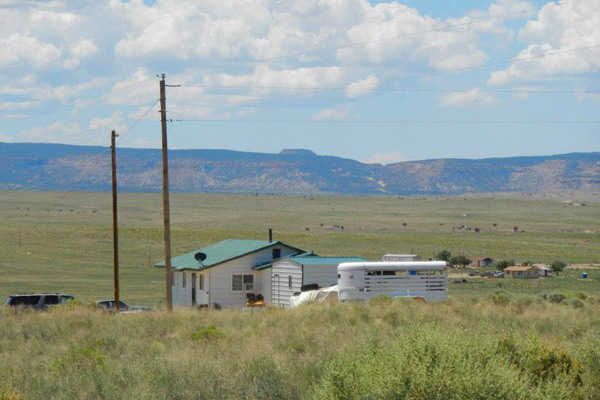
(290, 274)
(221, 275)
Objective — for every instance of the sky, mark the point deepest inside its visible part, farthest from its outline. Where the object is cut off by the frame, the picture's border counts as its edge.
(374, 81)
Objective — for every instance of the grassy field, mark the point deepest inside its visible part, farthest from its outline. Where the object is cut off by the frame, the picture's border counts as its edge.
(387, 349)
(62, 241)
(494, 338)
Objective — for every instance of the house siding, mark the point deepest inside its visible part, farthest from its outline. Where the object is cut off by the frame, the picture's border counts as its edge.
(280, 289)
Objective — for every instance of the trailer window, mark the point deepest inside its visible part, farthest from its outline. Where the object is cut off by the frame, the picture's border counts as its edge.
(290, 281)
(200, 282)
(183, 279)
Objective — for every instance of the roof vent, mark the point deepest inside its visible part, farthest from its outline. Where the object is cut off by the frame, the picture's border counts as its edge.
(200, 257)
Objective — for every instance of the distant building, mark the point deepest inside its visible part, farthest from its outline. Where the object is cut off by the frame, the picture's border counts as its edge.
(223, 274)
(401, 257)
(524, 272)
(543, 270)
(481, 262)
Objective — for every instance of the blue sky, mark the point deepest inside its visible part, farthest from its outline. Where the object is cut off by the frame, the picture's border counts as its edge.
(373, 81)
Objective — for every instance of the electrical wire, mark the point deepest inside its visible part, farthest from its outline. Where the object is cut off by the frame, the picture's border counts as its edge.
(384, 121)
(351, 87)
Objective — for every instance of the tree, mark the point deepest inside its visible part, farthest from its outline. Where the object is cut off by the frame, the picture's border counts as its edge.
(460, 260)
(444, 255)
(500, 265)
(558, 266)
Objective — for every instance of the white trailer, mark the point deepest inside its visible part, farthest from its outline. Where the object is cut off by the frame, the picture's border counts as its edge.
(366, 280)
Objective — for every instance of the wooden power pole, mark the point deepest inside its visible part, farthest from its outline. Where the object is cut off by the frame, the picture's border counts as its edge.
(113, 135)
(166, 212)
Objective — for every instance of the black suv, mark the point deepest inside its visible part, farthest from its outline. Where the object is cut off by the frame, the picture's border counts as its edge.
(37, 301)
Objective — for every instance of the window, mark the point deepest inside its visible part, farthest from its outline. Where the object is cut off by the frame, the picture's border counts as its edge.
(276, 253)
(290, 281)
(200, 282)
(241, 283)
(183, 279)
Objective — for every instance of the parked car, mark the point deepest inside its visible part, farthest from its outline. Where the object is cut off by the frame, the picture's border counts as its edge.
(37, 301)
(498, 274)
(109, 305)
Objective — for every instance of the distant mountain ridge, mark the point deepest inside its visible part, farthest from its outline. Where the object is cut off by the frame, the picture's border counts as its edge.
(293, 171)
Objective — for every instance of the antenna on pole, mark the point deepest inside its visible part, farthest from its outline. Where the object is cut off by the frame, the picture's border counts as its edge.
(113, 135)
(166, 212)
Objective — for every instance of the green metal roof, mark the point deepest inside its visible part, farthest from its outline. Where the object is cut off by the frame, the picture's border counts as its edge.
(318, 260)
(219, 253)
(311, 259)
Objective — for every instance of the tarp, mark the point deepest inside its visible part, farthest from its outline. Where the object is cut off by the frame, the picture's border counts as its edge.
(315, 295)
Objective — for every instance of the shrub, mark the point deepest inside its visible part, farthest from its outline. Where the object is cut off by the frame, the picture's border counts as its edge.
(500, 297)
(581, 295)
(542, 296)
(556, 297)
(592, 300)
(577, 303)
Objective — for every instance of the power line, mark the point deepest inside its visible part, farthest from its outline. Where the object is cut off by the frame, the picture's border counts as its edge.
(57, 176)
(385, 121)
(105, 125)
(532, 91)
(355, 86)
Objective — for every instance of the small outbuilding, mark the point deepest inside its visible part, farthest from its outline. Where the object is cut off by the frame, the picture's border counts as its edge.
(478, 262)
(524, 272)
(543, 270)
(292, 274)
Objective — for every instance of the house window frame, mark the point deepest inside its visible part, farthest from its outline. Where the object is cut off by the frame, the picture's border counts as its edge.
(244, 289)
(276, 253)
(183, 279)
(290, 281)
(200, 281)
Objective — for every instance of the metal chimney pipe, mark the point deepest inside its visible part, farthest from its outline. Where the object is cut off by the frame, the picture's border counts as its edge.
(270, 235)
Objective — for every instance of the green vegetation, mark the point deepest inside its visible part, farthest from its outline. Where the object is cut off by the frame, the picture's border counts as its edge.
(558, 266)
(62, 241)
(494, 338)
(521, 349)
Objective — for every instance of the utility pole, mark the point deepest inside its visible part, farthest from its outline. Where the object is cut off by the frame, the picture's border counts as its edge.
(113, 135)
(166, 212)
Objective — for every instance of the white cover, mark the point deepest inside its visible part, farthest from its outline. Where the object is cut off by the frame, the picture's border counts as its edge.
(314, 295)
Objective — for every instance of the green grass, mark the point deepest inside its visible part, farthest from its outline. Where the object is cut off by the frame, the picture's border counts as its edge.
(386, 349)
(59, 241)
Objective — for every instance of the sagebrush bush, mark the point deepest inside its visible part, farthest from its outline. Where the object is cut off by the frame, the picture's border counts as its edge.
(577, 303)
(500, 297)
(581, 295)
(556, 297)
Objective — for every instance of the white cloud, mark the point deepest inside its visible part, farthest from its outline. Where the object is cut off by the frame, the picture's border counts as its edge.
(362, 87)
(473, 98)
(385, 158)
(557, 28)
(16, 106)
(340, 112)
(17, 50)
(491, 21)
(440, 50)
